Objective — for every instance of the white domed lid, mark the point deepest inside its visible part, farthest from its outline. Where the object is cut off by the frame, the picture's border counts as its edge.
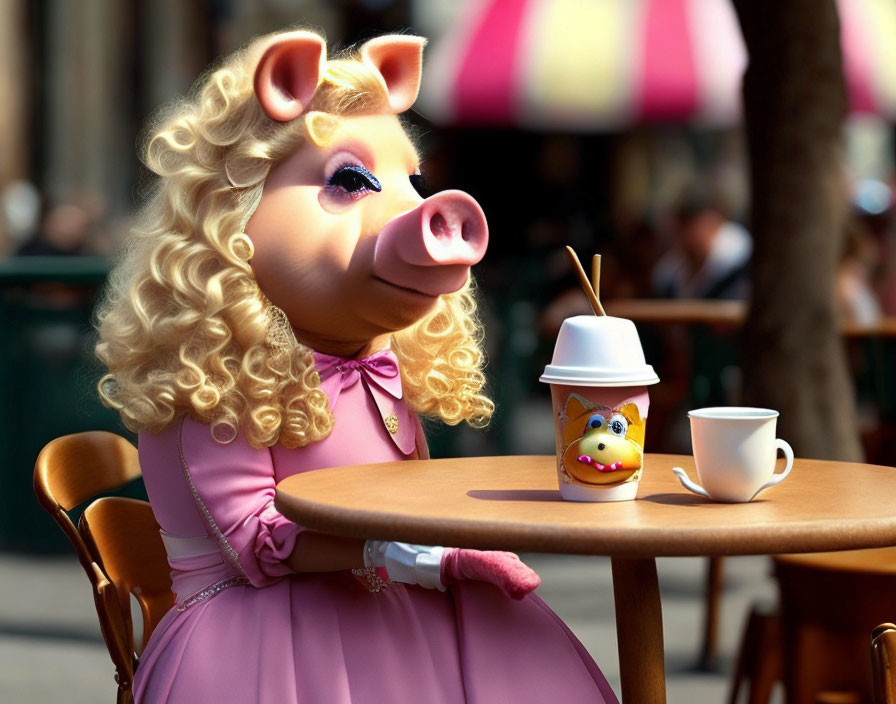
(598, 350)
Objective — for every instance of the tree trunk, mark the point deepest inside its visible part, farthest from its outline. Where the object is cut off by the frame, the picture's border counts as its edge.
(794, 104)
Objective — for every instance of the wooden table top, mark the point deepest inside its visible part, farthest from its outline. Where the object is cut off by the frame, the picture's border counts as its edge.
(720, 312)
(513, 503)
(697, 311)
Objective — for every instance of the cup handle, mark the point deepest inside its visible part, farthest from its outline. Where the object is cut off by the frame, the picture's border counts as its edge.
(784, 447)
(688, 484)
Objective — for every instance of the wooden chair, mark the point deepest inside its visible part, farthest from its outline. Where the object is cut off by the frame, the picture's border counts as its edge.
(758, 665)
(817, 643)
(117, 540)
(883, 663)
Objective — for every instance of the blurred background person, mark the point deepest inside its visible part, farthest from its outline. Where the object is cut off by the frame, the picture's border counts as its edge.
(857, 300)
(20, 206)
(64, 231)
(710, 253)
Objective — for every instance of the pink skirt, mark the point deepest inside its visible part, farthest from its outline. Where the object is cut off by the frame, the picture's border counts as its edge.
(318, 639)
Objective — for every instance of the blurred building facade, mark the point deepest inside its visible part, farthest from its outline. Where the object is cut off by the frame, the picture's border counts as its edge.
(78, 79)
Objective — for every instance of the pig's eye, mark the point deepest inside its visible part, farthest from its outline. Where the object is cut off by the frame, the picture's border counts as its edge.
(418, 181)
(354, 180)
(618, 425)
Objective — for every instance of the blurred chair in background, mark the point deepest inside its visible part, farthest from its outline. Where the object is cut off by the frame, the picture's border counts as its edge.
(883, 663)
(817, 643)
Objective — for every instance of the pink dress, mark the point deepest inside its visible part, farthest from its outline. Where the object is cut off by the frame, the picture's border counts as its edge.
(245, 628)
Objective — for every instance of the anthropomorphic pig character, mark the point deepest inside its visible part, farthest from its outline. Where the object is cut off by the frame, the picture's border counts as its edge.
(290, 302)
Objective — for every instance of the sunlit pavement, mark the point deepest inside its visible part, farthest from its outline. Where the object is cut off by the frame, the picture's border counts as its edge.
(51, 649)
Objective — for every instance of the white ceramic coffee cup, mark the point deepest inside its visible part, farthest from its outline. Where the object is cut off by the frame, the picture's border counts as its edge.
(735, 452)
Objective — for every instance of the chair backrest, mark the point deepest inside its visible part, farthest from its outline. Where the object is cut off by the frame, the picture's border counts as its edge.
(883, 663)
(72, 469)
(124, 534)
(117, 542)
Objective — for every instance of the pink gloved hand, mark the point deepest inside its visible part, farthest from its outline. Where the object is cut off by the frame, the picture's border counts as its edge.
(503, 569)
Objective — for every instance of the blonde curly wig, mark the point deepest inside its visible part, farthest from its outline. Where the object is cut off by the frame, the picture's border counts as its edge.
(183, 325)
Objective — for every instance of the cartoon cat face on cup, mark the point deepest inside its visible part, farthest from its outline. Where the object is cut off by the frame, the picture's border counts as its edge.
(603, 446)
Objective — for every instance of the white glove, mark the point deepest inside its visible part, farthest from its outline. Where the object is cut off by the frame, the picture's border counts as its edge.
(410, 564)
(435, 567)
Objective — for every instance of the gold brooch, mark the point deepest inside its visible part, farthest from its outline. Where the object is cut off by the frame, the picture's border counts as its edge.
(391, 422)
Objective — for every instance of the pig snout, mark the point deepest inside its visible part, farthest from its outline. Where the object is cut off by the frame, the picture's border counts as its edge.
(431, 248)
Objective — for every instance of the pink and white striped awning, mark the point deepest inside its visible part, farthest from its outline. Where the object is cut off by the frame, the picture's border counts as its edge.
(600, 64)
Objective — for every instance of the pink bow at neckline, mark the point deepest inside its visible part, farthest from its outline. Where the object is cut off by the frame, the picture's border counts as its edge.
(338, 373)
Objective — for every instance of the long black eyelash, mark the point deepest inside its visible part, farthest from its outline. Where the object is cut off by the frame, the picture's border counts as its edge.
(370, 181)
(418, 181)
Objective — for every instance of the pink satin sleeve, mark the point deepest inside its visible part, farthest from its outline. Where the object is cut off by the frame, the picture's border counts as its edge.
(233, 488)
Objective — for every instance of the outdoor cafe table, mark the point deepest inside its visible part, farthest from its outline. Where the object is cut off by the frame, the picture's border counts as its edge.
(724, 313)
(512, 503)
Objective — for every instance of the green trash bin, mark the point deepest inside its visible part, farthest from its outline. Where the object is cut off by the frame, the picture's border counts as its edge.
(48, 376)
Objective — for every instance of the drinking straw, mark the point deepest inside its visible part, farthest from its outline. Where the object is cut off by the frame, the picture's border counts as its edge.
(590, 292)
(595, 278)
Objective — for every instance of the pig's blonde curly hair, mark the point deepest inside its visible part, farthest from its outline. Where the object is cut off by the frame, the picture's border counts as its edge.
(183, 324)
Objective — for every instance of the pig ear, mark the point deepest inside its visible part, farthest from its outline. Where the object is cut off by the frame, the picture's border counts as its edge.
(288, 73)
(398, 59)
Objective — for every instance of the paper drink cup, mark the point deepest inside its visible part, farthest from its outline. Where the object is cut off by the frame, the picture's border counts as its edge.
(599, 380)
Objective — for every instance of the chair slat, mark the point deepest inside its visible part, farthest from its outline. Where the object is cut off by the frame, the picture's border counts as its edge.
(125, 534)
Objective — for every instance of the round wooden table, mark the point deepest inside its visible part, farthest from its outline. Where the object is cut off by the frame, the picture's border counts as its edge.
(512, 503)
